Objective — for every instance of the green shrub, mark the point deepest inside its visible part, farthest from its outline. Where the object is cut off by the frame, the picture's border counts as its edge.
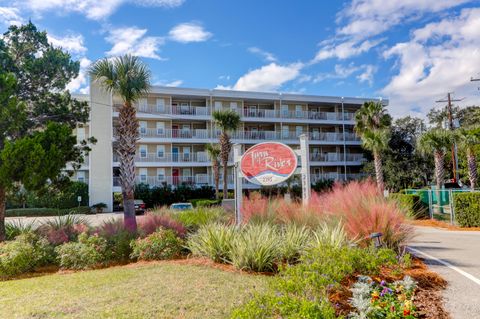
(412, 204)
(87, 253)
(162, 244)
(467, 209)
(205, 202)
(256, 248)
(294, 241)
(193, 219)
(23, 254)
(213, 241)
(36, 212)
(332, 236)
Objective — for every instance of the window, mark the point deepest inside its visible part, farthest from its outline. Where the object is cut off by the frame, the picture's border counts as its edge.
(143, 175)
(81, 176)
(218, 105)
(143, 151)
(80, 134)
(285, 131)
(143, 127)
(298, 130)
(186, 153)
(160, 128)
(160, 174)
(161, 105)
(143, 104)
(298, 111)
(160, 151)
(284, 109)
(233, 106)
(184, 108)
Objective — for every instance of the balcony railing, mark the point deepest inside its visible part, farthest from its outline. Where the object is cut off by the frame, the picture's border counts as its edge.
(335, 176)
(336, 157)
(188, 110)
(196, 157)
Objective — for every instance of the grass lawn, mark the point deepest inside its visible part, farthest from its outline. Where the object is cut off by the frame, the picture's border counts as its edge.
(161, 290)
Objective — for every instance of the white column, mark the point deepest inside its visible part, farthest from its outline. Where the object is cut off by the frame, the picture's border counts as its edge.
(305, 161)
(237, 154)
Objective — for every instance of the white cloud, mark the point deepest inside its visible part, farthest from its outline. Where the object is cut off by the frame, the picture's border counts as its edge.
(269, 57)
(363, 21)
(71, 43)
(80, 83)
(440, 57)
(92, 9)
(364, 73)
(268, 78)
(189, 32)
(10, 16)
(132, 40)
(175, 83)
(367, 74)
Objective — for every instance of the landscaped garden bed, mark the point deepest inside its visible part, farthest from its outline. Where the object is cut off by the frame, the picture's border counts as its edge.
(309, 261)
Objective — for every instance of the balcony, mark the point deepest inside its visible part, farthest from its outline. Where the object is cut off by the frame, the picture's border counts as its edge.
(336, 157)
(335, 176)
(177, 158)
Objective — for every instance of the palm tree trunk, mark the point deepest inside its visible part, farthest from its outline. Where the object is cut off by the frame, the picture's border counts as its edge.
(378, 171)
(128, 135)
(225, 147)
(439, 169)
(216, 177)
(472, 168)
(3, 200)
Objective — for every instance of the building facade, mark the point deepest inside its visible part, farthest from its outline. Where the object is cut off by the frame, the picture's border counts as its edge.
(176, 124)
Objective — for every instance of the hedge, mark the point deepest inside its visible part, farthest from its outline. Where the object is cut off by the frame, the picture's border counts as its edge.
(413, 205)
(30, 212)
(199, 202)
(467, 209)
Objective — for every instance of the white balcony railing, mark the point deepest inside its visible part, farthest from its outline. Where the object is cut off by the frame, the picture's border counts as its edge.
(336, 157)
(200, 157)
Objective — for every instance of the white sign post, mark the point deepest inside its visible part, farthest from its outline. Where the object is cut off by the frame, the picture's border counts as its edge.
(237, 156)
(305, 162)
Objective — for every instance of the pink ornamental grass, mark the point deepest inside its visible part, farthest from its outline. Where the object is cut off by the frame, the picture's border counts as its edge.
(149, 223)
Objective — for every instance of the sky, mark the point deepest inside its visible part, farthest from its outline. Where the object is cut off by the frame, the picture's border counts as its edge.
(411, 52)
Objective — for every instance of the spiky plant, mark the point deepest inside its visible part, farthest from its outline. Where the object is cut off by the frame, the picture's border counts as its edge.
(227, 121)
(436, 142)
(372, 124)
(128, 77)
(213, 151)
(467, 140)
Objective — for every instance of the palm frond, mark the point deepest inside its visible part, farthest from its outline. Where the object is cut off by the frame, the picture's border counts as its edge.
(226, 120)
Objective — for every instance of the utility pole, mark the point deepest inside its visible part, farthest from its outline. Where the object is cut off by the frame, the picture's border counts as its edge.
(451, 127)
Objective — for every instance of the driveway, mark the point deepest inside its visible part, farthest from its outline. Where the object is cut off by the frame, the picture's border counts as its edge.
(455, 255)
(94, 220)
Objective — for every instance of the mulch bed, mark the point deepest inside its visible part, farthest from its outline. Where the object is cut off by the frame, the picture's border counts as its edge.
(428, 296)
(440, 224)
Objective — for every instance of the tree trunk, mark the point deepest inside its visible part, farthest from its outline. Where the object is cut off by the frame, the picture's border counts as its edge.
(439, 169)
(216, 177)
(472, 168)
(378, 171)
(127, 138)
(3, 200)
(225, 147)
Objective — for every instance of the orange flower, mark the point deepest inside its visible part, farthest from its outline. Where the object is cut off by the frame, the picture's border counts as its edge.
(406, 312)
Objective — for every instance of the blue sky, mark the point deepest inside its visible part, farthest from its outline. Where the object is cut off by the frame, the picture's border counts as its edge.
(412, 51)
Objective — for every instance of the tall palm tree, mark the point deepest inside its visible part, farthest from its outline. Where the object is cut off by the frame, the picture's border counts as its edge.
(228, 121)
(213, 151)
(376, 141)
(128, 77)
(436, 141)
(372, 123)
(468, 139)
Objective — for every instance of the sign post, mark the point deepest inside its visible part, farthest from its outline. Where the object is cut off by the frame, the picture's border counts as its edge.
(305, 170)
(237, 156)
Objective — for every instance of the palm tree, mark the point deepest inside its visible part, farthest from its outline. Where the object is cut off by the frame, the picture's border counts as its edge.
(372, 123)
(436, 141)
(468, 139)
(213, 151)
(376, 141)
(228, 121)
(129, 78)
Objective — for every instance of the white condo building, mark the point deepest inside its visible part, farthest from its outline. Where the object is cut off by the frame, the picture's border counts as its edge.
(176, 124)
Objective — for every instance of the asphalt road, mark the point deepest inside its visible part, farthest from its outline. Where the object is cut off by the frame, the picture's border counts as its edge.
(455, 255)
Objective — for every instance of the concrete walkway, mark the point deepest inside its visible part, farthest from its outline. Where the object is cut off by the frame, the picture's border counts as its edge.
(455, 255)
(94, 220)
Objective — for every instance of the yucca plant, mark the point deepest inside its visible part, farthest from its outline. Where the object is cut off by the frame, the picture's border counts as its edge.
(63, 229)
(228, 121)
(294, 241)
(18, 227)
(257, 248)
(129, 78)
(213, 241)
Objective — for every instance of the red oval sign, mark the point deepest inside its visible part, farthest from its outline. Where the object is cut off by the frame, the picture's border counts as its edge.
(268, 163)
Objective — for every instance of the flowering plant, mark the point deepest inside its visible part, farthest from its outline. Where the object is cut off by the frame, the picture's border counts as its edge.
(383, 300)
